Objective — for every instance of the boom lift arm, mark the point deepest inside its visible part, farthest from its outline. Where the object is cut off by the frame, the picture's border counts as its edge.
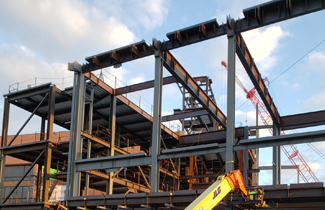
(212, 196)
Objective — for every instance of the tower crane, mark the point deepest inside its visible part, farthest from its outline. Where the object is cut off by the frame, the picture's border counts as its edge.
(290, 151)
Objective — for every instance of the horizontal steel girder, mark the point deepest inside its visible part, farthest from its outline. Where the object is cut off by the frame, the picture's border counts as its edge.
(143, 86)
(298, 138)
(126, 101)
(177, 70)
(184, 115)
(254, 17)
(295, 192)
(140, 159)
(302, 120)
(132, 160)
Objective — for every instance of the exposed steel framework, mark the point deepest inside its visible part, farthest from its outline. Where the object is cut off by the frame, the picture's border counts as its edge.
(290, 151)
(97, 161)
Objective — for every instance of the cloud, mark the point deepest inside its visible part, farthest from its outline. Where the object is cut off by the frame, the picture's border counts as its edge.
(316, 60)
(18, 63)
(137, 14)
(262, 44)
(315, 102)
(233, 8)
(71, 31)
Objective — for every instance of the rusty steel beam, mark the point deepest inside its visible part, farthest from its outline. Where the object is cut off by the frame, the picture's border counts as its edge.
(120, 181)
(126, 101)
(143, 86)
(254, 17)
(211, 137)
(102, 142)
(248, 62)
(184, 115)
(302, 120)
(177, 70)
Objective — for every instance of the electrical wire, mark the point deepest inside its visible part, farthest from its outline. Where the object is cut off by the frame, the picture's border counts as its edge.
(298, 60)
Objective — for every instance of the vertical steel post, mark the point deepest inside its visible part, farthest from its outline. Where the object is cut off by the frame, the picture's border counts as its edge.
(256, 165)
(112, 127)
(75, 145)
(279, 159)
(245, 175)
(275, 161)
(156, 126)
(39, 166)
(90, 125)
(48, 149)
(5, 123)
(230, 135)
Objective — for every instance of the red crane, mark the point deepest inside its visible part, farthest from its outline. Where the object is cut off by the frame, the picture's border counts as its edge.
(289, 150)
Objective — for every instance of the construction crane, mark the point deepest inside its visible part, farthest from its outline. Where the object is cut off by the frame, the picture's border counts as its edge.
(290, 151)
(225, 184)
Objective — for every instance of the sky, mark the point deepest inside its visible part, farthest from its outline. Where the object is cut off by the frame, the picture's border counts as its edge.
(38, 38)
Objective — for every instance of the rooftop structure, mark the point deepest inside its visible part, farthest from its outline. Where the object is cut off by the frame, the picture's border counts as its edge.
(166, 169)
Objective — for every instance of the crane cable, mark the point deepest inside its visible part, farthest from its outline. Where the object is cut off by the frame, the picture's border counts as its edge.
(298, 60)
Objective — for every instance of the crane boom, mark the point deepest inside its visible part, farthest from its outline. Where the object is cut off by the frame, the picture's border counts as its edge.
(290, 151)
(218, 190)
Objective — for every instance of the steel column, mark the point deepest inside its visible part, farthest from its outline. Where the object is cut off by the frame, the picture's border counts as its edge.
(230, 136)
(5, 123)
(112, 128)
(48, 149)
(39, 166)
(156, 125)
(275, 162)
(279, 159)
(256, 165)
(245, 176)
(89, 125)
(77, 114)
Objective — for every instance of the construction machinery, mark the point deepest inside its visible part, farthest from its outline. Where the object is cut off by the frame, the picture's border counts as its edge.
(232, 182)
(290, 151)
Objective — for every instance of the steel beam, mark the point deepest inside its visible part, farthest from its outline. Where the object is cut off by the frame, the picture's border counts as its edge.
(120, 181)
(156, 128)
(248, 62)
(254, 17)
(4, 136)
(210, 137)
(183, 77)
(184, 115)
(132, 160)
(37, 90)
(302, 120)
(230, 133)
(143, 86)
(192, 151)
(297, 138)
(126, 101)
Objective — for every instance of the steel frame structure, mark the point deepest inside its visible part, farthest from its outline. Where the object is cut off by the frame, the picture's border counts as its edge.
(82, 165)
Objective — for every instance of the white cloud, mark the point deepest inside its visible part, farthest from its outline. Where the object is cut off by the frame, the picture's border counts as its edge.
(137, 14)
(295, 86)
(262, 44)
(233, 8)
(316, 102)
(62, 30)
(316, 60)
